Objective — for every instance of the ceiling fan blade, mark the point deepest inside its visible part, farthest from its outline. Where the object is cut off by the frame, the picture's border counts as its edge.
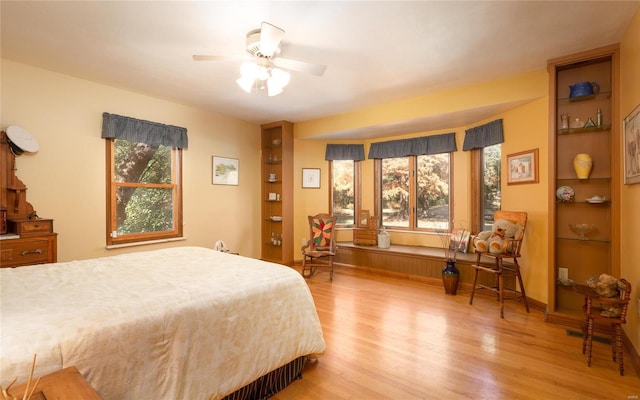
(204, 57)
(295, 65)
(270, 37)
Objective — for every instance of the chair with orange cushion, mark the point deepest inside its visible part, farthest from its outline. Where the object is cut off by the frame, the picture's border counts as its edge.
(320, 249)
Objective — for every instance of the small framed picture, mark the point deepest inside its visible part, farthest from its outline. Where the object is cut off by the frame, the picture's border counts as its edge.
(225, 171)
(522, 167)
(460, 240)
(632, 147)
(311, 178)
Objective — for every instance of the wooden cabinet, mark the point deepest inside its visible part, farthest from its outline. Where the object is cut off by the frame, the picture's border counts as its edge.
(28, 250)
(277, 192)
(583, 123)
(67, 383)
(26, 238)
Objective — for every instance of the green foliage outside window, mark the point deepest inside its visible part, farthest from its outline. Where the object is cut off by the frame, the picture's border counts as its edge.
(343, 182)
(144, 189)
(491, 193)
(415, 192)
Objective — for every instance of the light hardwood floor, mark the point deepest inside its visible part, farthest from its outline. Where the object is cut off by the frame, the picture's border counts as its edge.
(391, 338)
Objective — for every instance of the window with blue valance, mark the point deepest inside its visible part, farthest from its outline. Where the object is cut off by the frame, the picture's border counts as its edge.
(483, 135)
(436, 144)
(353, 152)
(141, 131)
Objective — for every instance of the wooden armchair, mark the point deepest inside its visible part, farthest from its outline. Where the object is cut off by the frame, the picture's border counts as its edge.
(320, 249)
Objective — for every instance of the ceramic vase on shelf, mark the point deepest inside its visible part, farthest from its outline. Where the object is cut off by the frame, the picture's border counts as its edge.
(450, 277)
(582, 164)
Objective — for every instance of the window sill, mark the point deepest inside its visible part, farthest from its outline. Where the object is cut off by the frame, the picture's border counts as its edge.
(120, 246)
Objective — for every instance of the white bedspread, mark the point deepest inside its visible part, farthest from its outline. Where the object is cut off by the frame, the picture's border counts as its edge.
(178, 323)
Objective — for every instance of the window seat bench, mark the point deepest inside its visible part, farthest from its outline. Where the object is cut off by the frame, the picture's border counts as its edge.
(419, 263)
(410, 262)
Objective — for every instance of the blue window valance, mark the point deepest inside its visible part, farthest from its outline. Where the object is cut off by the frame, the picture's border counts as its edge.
(141, 131)
(353, 152)
(483, 135)
(436, 144)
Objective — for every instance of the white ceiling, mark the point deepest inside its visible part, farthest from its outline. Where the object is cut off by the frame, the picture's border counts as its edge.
(375, 51)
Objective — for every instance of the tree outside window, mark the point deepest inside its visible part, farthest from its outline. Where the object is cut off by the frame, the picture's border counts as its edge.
(490, 194)
(415, 192)
(343, 191)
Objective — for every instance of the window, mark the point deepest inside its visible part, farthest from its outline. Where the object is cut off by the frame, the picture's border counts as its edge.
(415, 192)
(344, 189)
(145, 193)
(344, 181)
(485, 143)
(487, 193)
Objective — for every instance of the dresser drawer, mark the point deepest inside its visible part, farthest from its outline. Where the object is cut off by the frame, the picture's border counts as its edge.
(17, 252)
(30, 227)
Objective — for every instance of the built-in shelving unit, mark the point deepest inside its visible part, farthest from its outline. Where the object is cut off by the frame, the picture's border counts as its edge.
(277, 192)
(598, 251)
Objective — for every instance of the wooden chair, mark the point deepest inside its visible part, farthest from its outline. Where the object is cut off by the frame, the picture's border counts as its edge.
(593, 315)
(320, 249)
(495, 263)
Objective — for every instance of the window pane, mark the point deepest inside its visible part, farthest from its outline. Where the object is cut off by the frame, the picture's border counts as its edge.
(432, 192)
(141, 163)
(145, 210)
(395, 192)
(343, 191)
(490, 175)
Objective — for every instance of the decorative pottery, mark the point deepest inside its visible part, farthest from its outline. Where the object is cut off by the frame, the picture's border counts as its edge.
(450, 278)
(583, 89)
(595, 199)
(565, 193)
(582, 164)
(384, 239)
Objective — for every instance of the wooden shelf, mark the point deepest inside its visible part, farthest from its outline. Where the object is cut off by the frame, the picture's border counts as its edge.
(570, 131)
(277, 158)
(597, 253)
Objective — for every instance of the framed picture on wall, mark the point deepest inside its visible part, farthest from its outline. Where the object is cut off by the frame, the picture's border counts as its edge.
(311, 178)
(522, 167)
(225, 171)
(631, 142)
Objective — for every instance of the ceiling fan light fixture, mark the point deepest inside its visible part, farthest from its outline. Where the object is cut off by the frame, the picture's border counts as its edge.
(280, 76)
(273, 88)
(246, 83)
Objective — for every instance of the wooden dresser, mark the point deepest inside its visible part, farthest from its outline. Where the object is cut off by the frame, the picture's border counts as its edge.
(25, 238)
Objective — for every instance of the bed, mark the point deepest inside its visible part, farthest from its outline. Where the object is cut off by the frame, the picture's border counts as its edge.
(177, 323)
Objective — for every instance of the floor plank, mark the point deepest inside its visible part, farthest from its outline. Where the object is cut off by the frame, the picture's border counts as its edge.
(392, 338)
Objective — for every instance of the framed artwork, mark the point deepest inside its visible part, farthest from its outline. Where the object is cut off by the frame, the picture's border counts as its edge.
(225, 171)
(631, 142)
(364, 219)
(522, 167)
(460, 240)
(311, 178)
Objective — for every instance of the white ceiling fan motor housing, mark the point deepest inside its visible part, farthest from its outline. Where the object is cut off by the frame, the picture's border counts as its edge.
(253, 44)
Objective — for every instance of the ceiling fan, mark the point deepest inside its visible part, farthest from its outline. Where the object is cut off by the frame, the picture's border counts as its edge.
(263, 45)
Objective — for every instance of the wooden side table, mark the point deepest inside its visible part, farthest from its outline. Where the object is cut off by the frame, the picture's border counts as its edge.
(64, 384)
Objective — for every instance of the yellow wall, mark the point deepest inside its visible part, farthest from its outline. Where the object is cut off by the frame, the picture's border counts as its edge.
(630, 194)
(66, 178)
(525, 126)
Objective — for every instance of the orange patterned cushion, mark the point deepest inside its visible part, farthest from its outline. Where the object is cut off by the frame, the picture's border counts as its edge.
(321, 230)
